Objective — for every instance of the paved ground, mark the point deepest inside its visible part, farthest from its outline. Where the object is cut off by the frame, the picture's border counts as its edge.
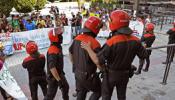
(143, 87)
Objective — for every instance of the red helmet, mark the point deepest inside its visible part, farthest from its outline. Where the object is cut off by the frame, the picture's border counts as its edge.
(53, 34)
(31, 47)
(119, 19)
(149, 27)
(93, 24)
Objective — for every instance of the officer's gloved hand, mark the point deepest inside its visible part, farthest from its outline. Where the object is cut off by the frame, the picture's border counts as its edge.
(60, 84)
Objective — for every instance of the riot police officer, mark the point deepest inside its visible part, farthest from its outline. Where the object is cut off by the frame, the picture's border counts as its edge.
(117, 54)
(147, 39)
(84, 68)
(35, 64)
(55, 74)
(171, 40)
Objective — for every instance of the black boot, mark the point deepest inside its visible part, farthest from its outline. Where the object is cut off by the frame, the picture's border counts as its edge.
(145, 70)
(138, 71)
(164, 62)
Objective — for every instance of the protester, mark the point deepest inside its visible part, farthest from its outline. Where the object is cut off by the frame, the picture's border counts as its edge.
(78, 23)
(73, 25)
(41, 21)
(64, 20)
(30, 25)
(4, 94)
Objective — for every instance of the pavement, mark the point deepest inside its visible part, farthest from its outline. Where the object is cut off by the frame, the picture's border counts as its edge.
(141, 87)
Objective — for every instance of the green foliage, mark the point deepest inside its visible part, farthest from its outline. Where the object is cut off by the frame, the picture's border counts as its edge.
(6, 6)
(24, 6)
(40, 4)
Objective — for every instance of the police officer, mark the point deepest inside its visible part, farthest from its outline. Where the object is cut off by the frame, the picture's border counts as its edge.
(84, 68)
(117, 54)
(35, 64)
(147, 39)
(55, 73)
(171, 40)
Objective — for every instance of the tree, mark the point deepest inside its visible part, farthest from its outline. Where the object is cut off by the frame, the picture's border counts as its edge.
(40, 4)
(24, 6)
(6, 6)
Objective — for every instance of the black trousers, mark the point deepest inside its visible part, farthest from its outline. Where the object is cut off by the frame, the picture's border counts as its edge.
(53, 87)
(142, 62)
(86, 83)
(33, 85)
(115, 79)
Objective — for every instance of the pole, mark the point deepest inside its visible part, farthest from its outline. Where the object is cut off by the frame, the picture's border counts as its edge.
(168, 65)
(136, 6)
(163, 46)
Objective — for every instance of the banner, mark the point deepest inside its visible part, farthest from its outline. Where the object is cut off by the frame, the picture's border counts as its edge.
(137, 27)
(40, 36)
(9, 84)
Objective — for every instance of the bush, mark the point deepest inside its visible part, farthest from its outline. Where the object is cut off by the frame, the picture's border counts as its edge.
(6, 6)
(24, 6)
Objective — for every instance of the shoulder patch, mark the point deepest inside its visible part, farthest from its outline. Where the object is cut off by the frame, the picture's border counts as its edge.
(173, 29)
(53, 50)
(42, 56)
(85, 38)
(121, 38)
(27, 59)
(148, 35)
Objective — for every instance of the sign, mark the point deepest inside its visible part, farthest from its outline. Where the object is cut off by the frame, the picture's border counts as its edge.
(9, 84)
(40, 36)
(137, 28)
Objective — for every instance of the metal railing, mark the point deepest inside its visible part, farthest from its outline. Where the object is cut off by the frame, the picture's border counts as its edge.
(169, 58)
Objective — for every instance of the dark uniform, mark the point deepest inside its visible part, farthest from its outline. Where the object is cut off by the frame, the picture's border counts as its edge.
(171, 40)
(148, 40)
(55, 59)
(37, 75)
(119, 52)
(85, 69)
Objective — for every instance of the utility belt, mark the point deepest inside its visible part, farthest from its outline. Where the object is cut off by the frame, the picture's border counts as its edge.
(129, 72)
(117, 71)
(84, 75)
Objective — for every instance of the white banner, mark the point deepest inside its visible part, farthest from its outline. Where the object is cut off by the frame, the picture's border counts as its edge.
(137, 27)
(40, 36)
(9, 84)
